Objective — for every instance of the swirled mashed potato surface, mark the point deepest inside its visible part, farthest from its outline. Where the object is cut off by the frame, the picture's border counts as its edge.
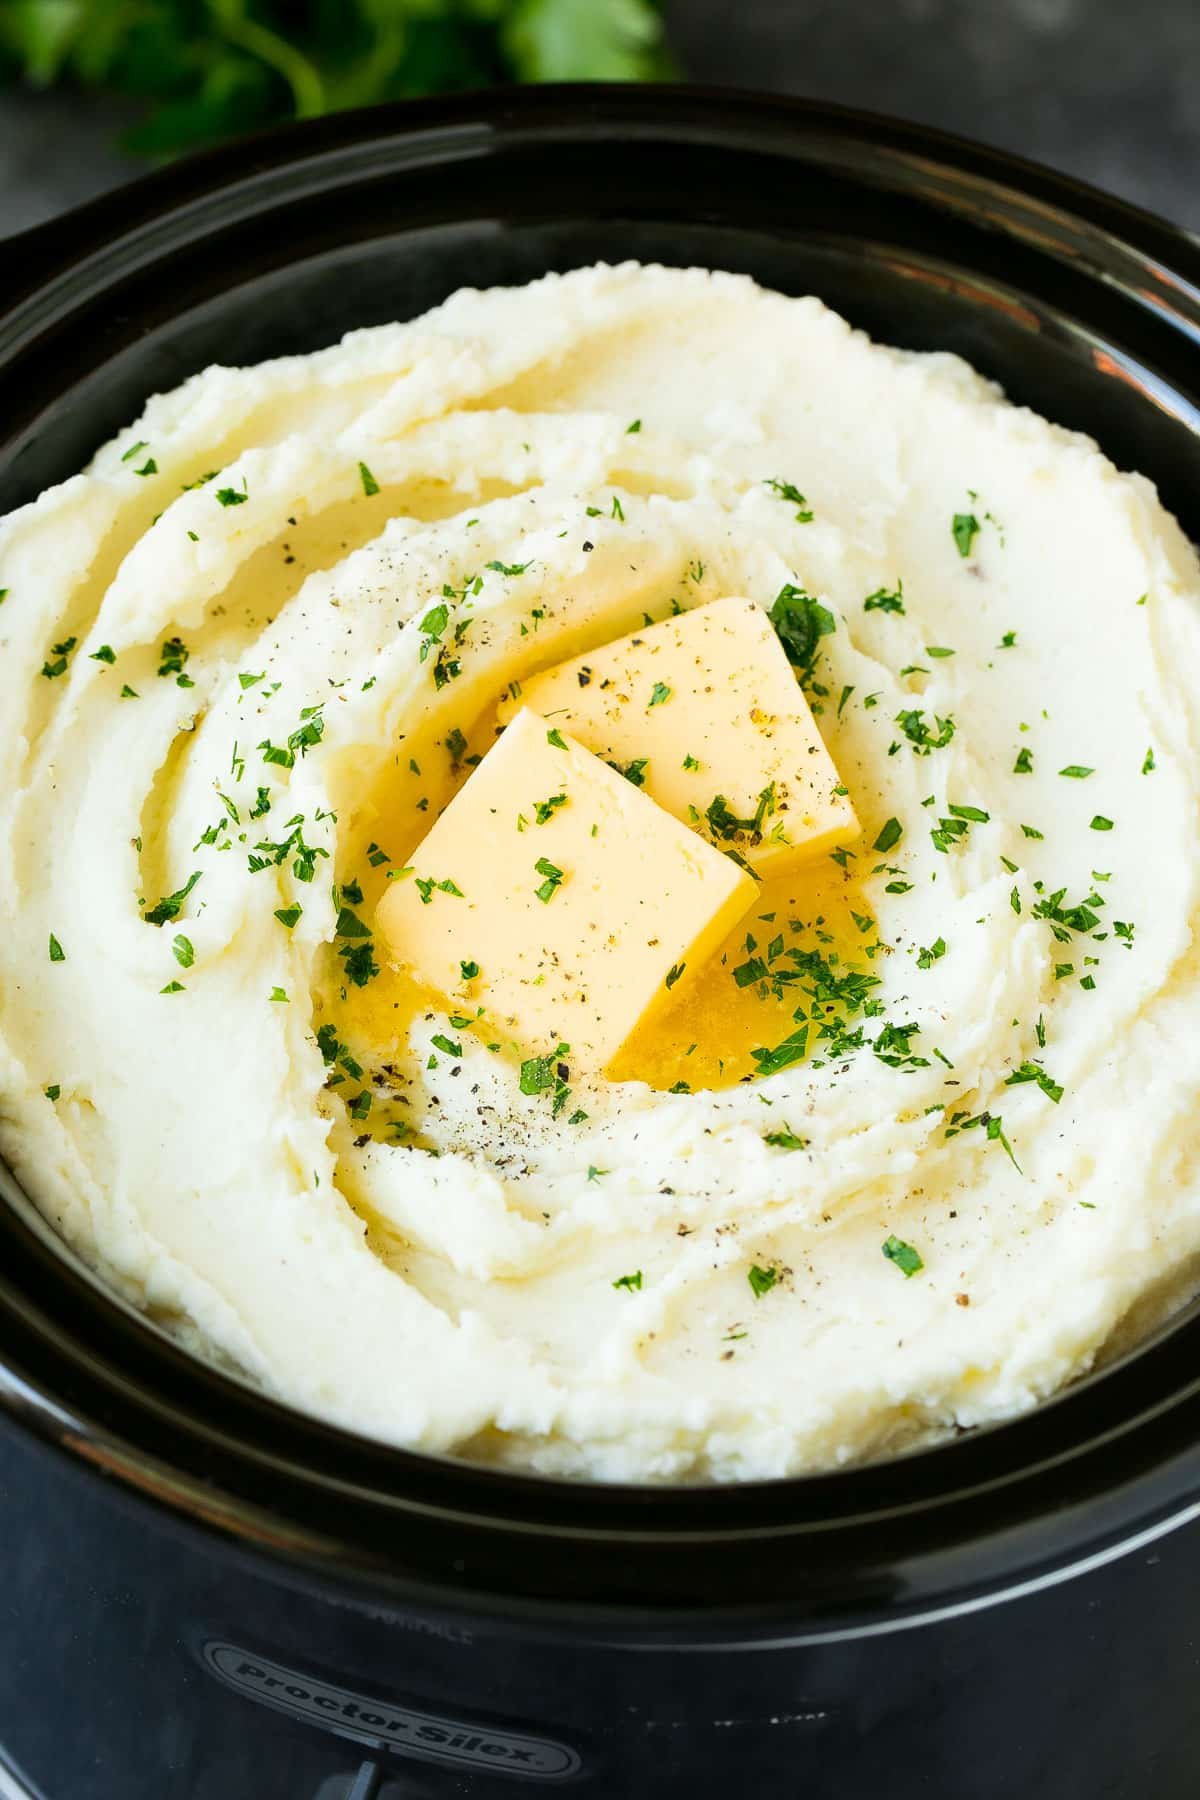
(921, 1141)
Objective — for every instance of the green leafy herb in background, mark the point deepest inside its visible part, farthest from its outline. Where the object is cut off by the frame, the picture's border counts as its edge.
(206, 68)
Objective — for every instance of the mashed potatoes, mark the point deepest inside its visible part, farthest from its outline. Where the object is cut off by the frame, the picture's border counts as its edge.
(225, 722)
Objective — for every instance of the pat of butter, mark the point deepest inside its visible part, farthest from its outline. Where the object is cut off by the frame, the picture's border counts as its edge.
(706, 710)
(560, 899)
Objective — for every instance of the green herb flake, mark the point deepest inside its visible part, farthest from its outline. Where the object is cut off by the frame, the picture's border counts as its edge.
(965, 528)
(552, 882)
(1100, 823)
(183, 951)
(441, 1042)
(56, 662)
(631, 1283)
(660, 693)
(105, 654)
(889, 836)
(228, 496)
(1076, 772)
(171, 905)
(787, 490)
(673, 974)
(800, 622)
(57, 953)
(761, 1280)
(906, 1259)
(369, 484)
(289, 916)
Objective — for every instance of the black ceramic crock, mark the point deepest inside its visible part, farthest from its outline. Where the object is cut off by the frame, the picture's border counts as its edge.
(208, 1596)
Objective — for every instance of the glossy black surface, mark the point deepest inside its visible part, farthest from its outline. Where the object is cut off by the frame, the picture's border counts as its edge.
(1082, 308)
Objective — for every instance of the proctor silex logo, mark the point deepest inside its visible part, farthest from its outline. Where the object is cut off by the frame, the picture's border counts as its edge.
(369, 1720)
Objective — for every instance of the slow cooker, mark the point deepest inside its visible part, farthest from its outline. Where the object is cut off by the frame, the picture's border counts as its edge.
(209, 1596)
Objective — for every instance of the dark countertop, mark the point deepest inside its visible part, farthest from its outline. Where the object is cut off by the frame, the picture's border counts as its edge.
(1106, 89)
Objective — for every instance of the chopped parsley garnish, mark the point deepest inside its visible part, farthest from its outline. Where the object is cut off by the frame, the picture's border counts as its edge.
(309, 732)
(543, 810)
(673, 974)
(173, 660)
(56, 663)
(793, 1049)
(993, 1127)
(57, 953)
(360, 1106)
(635, 427)
(427, 886)
(369, 484)
(925, 738)
(634, 772)
(800, 623)
(441, 1042)
(787, 490)
(134, 449)
(1024, 762)
(1063, 920)
(248, 681)
(785, 1139)
(1077, 772)
(377, 855)
(927, 957)
(761, 1280)
(553, 879)
(555, 737)
(631, 1283)
(177, 987)
(907, 1260)
(184, 951)
(725, 824)
(1100, 823)
(229, 496)
(1033, 1071)
(469, 970)
(889, 836)
(1148, 764)
(507, 568)
(1008, 641)
(964, 529)
(884, 601)
(936, 650)
(105, 654)
(358, 961)
(289, 916)
(661, 692)
(171, 905)
(53, 1091)
(689, 762)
